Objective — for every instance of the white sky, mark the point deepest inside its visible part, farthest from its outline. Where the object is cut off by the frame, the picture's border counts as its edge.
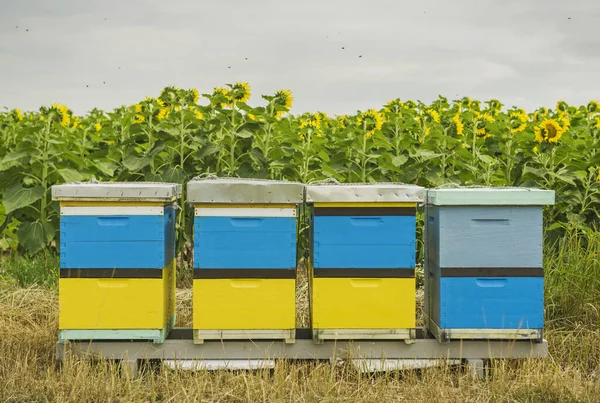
(106, 53)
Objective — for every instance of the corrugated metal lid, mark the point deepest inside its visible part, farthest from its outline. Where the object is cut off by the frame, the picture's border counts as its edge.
(241, 190)
(328, 192)
(487, 196)
(117, 191)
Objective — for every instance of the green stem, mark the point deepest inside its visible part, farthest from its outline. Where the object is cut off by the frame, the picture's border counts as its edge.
(473, 161)
(182, 214)
(307, 159)
(509, 162)
(233, 142)
(82, 148)
(46, 141)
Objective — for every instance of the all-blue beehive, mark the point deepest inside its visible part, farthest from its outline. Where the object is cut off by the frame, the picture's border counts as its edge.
(483, 262)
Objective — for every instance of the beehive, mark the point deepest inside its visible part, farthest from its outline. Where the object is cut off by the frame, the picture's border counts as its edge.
(117, 260)
(483, 262)
(245, 237)
(362, 277)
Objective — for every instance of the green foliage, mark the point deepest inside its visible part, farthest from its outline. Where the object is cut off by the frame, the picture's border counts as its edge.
(174, 138)
(41, 269)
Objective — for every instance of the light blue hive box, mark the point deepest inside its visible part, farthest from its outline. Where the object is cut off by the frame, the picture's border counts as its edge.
(483, 263)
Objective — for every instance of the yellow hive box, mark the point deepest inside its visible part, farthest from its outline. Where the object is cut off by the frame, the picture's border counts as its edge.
(117, 303)
(244, 308)
(380, 306)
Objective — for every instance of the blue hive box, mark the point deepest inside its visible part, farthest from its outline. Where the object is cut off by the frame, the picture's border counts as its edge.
(483, 263)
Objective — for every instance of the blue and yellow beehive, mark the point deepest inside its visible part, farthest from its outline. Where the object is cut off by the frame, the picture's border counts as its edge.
(245, 237)
(483, 263)
(362, 277)
(117, 260)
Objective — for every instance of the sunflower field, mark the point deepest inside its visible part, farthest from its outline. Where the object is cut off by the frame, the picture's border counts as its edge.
(182, 134)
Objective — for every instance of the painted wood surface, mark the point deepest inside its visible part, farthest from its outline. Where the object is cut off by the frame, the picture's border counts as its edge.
(364, 241)
(479, 236)
(118, 241)
(492, 303)
(245, 212)
(489, 196)
(117, 303)
(244, 242)
(155, 335)
(237, 304)
(111, 210)
(363, 303)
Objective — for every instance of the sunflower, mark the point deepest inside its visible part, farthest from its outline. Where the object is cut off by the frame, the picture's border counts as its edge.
(480, 122)
(323, 119)
(460, 127)
(344, 121)
(518, 121)
(220, 97)
(597, 125)
(97, 127)
(195, 95)
(240, 92)
(465, 102)
(18, 114)
(309, 120)
(593, 107)
(393, 106)
(410, 104)
(198, 114)
(494, 106)
(137, 108)
(433, 115)
(562, 106)
(138, 119)
(540, 114)
(65, 120)
(170, 95)
(566, 123)
(163, 113)
(371, 121)
(284, 98)
(76, 123)
(548, 131)
(487, 117)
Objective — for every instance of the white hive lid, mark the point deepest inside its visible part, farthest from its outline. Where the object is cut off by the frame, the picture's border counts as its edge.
(117, 191)
(364, 193)
(243, 191)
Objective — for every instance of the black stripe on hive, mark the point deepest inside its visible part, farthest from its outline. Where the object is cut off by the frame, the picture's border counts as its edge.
(244, 273)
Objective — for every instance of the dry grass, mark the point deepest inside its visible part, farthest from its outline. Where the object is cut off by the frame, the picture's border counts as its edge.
(28, 371)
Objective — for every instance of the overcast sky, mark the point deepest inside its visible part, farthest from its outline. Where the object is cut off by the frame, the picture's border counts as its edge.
(106, 53)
